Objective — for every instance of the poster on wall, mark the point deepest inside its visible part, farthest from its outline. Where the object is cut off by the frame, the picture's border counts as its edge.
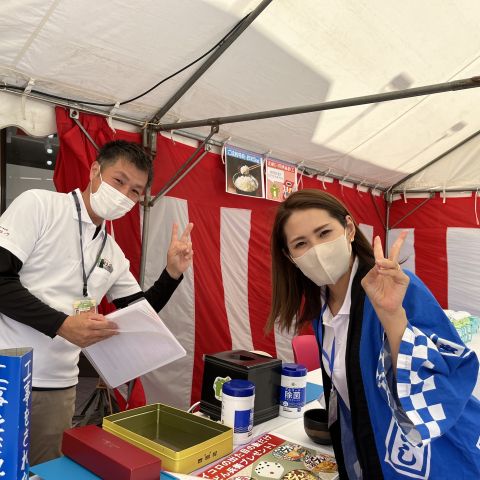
(244, 172)
(281, 179)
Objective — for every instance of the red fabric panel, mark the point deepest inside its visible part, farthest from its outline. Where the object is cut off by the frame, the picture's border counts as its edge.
(204, 189)
(259, 279)
(212, 333)
(137, 397)
(431, 261)
(359, 204)
(430, 223)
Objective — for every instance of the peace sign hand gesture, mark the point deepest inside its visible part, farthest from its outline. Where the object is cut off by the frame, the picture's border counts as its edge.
(386, 283)
(180, 253)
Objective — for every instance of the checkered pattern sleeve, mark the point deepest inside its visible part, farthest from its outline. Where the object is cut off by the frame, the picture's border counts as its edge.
(433, 383)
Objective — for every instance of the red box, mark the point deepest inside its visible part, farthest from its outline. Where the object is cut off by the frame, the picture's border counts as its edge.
(108, 456)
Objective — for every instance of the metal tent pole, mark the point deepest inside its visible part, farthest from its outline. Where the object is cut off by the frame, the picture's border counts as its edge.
(149, 140)
(435, 160)
(186, 167)
(463, 84)
(211, 60)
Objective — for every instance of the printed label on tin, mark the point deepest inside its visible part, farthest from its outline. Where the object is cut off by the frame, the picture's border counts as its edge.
(243, 421)
(292, 397)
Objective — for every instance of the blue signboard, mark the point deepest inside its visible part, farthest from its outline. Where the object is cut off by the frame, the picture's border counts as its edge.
(15, 401)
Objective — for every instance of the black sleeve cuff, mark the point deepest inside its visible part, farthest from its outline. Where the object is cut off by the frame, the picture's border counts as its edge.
(157, 295)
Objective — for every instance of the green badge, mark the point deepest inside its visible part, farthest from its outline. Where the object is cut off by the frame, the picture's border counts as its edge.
(217, 386)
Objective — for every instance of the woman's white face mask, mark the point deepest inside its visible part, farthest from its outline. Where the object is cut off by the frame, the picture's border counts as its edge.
(108, 203)
(325, 263)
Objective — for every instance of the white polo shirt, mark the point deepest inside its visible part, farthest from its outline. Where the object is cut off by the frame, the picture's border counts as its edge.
(41, 229)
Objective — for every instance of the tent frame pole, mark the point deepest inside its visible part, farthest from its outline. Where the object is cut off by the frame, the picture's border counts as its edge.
(388, 202)
(75, 106)
(211, 60)
(413, 210)
(149, 141)
(376, 98)
(462, 84)
(192, 160)
(393, 188)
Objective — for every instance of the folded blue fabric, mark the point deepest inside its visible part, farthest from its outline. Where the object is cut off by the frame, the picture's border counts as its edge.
(314, 391)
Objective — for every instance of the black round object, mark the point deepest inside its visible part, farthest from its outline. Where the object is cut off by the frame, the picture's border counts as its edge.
(315, 423)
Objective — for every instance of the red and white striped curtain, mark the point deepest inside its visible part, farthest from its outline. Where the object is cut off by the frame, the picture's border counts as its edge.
(224, 300)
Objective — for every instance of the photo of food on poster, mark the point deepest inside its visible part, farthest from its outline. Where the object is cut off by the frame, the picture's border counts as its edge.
(243, 172)
(281, 179)
(270, 457)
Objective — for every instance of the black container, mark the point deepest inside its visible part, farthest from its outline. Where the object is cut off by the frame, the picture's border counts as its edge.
(264, 372)
(315, 423)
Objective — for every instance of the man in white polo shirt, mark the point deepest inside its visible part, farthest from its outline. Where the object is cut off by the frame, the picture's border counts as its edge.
(56, 263)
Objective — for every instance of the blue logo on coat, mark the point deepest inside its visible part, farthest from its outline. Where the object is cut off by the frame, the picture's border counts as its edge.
(405, 458)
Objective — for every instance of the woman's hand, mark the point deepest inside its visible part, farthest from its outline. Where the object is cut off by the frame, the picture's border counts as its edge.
(386, 284)
(180, 253)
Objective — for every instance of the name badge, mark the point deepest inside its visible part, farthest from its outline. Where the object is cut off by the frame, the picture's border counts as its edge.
(332, 407)
(85, 304)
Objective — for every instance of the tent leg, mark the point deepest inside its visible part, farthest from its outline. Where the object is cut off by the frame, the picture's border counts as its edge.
(149, 140)
(388, 200)
(146, 222)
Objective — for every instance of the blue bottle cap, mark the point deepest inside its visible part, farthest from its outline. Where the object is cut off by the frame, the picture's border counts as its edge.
(238, 388)
(294, 370)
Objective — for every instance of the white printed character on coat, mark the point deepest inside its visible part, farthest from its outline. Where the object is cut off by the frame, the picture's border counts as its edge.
(269, 470)
(404, 458)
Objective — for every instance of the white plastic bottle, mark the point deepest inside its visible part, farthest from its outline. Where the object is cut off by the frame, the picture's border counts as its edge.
(238, 397)
(293, 390)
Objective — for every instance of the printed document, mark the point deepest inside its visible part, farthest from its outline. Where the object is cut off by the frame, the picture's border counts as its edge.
(143, 344)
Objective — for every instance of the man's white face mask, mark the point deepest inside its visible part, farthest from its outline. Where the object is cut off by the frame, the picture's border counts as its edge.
(108, 203)
(325, 263)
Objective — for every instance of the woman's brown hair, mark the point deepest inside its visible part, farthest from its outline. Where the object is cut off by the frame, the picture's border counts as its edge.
(295, 298)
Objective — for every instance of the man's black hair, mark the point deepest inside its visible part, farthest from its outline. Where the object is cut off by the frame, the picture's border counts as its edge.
(129, 151)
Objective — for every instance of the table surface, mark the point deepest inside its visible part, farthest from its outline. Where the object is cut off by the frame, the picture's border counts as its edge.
(292, 428)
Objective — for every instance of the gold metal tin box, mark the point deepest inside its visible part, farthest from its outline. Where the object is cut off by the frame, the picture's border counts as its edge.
(183, 441)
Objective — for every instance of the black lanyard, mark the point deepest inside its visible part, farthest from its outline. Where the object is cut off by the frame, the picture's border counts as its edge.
(85, 276)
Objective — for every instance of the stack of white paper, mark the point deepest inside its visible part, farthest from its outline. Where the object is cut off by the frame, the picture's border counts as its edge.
(143, 344)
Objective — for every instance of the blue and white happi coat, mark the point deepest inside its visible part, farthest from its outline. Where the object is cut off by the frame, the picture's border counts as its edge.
(426, 423)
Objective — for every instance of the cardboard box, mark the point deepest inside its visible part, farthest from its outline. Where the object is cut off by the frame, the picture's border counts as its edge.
(264, 372)
(108, 456)
(185, 442)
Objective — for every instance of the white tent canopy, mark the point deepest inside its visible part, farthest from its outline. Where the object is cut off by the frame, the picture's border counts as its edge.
(297, 52)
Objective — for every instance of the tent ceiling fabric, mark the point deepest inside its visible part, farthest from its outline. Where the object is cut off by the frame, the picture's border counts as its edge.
(297, 52)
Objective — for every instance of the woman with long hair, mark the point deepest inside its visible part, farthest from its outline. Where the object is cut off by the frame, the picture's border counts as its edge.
(398, 380)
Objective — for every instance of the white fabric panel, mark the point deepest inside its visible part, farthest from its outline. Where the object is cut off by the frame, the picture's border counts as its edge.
(70, 52)
(165, 385)
(407, 251)
(367, 230)
(234, 246)
(36, 118)
(463, 246)
(461, 166)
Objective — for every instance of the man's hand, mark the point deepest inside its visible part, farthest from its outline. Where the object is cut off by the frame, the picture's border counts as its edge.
(87, 328)
(180, 253)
